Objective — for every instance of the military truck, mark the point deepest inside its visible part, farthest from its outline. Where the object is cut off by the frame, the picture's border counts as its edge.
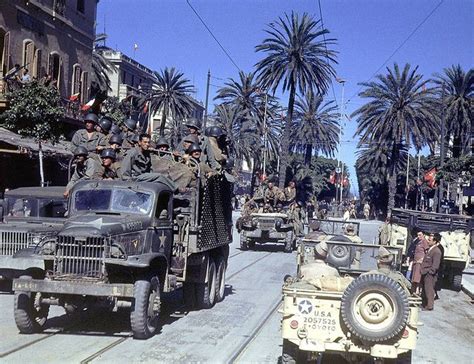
(124, 244)
(29, 216)
(265, 228)
(456, 238)
(362, 314)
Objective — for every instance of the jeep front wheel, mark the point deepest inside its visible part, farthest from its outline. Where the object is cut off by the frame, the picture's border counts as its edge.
(243, 242)
(145, 308)
(374, 307)
(30, 314)
(206, 292)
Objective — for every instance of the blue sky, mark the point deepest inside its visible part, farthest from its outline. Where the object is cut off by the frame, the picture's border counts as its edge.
(168, 33)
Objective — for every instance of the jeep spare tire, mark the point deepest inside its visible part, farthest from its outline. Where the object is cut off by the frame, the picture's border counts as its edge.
(340, 255)
(374, 307)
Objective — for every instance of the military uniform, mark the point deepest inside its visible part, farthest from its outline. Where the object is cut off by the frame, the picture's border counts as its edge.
(393, 274)
(272, 195)
(135, 164)
(290, 194)
(81, 138)
(127, 139)
(219, 155)
(317, 269)
(112, 172)
(90, 169)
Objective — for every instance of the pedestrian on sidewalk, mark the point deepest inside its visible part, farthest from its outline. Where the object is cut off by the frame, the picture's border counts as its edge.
(429, 271)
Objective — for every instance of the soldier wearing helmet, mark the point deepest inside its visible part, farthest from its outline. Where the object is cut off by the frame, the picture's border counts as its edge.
(130, 130)
(161, 161)
(194, 128)
(193, 155)
(217, 141)
(86, 168)
(89, 138)
(111, 169)
(103, 127)
(115, 143)
(318, 267)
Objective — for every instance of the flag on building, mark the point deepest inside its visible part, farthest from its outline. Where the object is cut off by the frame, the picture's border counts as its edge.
(332, 178)
(135, 46)
(74, 97)
(87, 106)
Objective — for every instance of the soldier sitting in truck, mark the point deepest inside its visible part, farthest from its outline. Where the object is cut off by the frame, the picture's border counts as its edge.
(86, 168)
(111, 169)
(350, 232)
(318, 268)
(194, 151)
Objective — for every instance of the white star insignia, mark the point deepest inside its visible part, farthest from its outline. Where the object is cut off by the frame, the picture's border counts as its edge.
(305, 307)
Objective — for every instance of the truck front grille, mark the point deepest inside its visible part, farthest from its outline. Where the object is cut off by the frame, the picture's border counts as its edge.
(76, 257)
(12, 241)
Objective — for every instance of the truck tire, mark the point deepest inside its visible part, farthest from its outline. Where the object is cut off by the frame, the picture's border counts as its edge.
(291, 354)
(145, 308)
(30, 314)
(206, 292)
(289, 241)
(243, 242)
(220, 282)
(374, 308)
(456, 280)
(340, 255)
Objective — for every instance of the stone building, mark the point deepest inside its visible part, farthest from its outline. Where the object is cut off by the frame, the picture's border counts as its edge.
(49, 37)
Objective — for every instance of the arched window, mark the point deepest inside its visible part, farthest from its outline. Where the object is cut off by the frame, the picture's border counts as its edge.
(76, 79)
(54, 68)
(28, 54)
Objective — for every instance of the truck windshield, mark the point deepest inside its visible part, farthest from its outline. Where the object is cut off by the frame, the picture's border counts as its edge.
(116, 200)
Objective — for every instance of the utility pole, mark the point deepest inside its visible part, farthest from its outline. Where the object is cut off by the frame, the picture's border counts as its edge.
(442, 149)
(407, 183)
(340, 80)
(265, 135)
(207, 99)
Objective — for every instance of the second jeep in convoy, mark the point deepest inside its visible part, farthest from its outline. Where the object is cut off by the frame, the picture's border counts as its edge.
(123, 245)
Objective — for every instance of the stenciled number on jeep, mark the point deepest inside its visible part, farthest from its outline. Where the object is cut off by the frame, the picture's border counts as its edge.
(134, 225)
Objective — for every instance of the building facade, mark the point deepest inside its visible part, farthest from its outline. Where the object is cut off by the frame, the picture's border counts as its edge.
(49, 38)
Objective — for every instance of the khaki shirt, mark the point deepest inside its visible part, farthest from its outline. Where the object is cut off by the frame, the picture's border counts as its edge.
(317, 269)
(81, 139)
(127, 139)
(112, 172)
(290, 194)
(219, 155)
(393, 274)
(91, 169)
(135, 163)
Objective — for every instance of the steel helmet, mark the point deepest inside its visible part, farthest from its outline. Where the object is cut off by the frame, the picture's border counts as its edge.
(135, 138)
(162, 142)
(105, 123)
(115, 129)
(193, 148)
(80, 151)
(214, 131)
(193, 123)
(116, 139)
(108, 153)
(91, 117)
(130, 124)
(191, 138)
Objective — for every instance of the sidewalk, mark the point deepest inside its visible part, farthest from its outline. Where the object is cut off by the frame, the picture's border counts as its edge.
(468, 281)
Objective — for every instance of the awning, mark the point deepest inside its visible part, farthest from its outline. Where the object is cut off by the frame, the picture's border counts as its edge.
(29, 145)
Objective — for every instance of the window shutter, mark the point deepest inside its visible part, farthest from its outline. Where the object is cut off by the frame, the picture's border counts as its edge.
(6, 53)
(30, 56)
(85, 87)
(37, 68)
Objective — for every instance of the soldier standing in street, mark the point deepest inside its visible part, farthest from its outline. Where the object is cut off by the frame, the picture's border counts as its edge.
(111, 169)
(89, 138)
(290, 192)
(429, 271)
(86, 168)
(366, 211)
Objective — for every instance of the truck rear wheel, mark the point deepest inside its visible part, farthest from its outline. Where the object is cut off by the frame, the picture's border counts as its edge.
(374, 307)
(456, 280)
(220, 283)
(30, 314)
(206, 292)
(145, 308)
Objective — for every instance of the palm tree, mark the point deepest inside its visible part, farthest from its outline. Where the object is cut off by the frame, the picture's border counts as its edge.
(170, 96)
(315, 127)
(401, 112)
(101, 68)
(297, 58)
(457, 88)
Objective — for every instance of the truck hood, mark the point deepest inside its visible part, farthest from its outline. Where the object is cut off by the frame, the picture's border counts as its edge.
(103, 225)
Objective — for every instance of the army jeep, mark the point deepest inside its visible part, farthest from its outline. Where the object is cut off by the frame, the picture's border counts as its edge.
(456, 238)
(265, 228)
(123, 244)
(29, 217)
(362, 314)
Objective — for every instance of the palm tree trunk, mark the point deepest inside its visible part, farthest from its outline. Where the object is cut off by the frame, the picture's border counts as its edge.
(163, 120)
(308, 154)
(285, 144)
(392, 181)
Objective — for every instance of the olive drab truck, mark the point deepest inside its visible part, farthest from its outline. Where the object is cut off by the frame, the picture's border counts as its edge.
(361, 314)
(456, 238)
(28, 217)
(124, 244)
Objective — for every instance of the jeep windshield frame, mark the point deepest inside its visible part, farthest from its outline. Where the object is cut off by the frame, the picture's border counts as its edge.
(112, 200)
(336, 227)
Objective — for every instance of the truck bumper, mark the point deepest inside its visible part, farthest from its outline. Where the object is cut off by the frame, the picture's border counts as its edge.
(268, 235)
(74, 287)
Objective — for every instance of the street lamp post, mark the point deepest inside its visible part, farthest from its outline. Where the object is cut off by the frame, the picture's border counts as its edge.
(341, 186)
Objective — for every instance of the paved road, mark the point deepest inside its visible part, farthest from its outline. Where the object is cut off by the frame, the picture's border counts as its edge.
(243, 328)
